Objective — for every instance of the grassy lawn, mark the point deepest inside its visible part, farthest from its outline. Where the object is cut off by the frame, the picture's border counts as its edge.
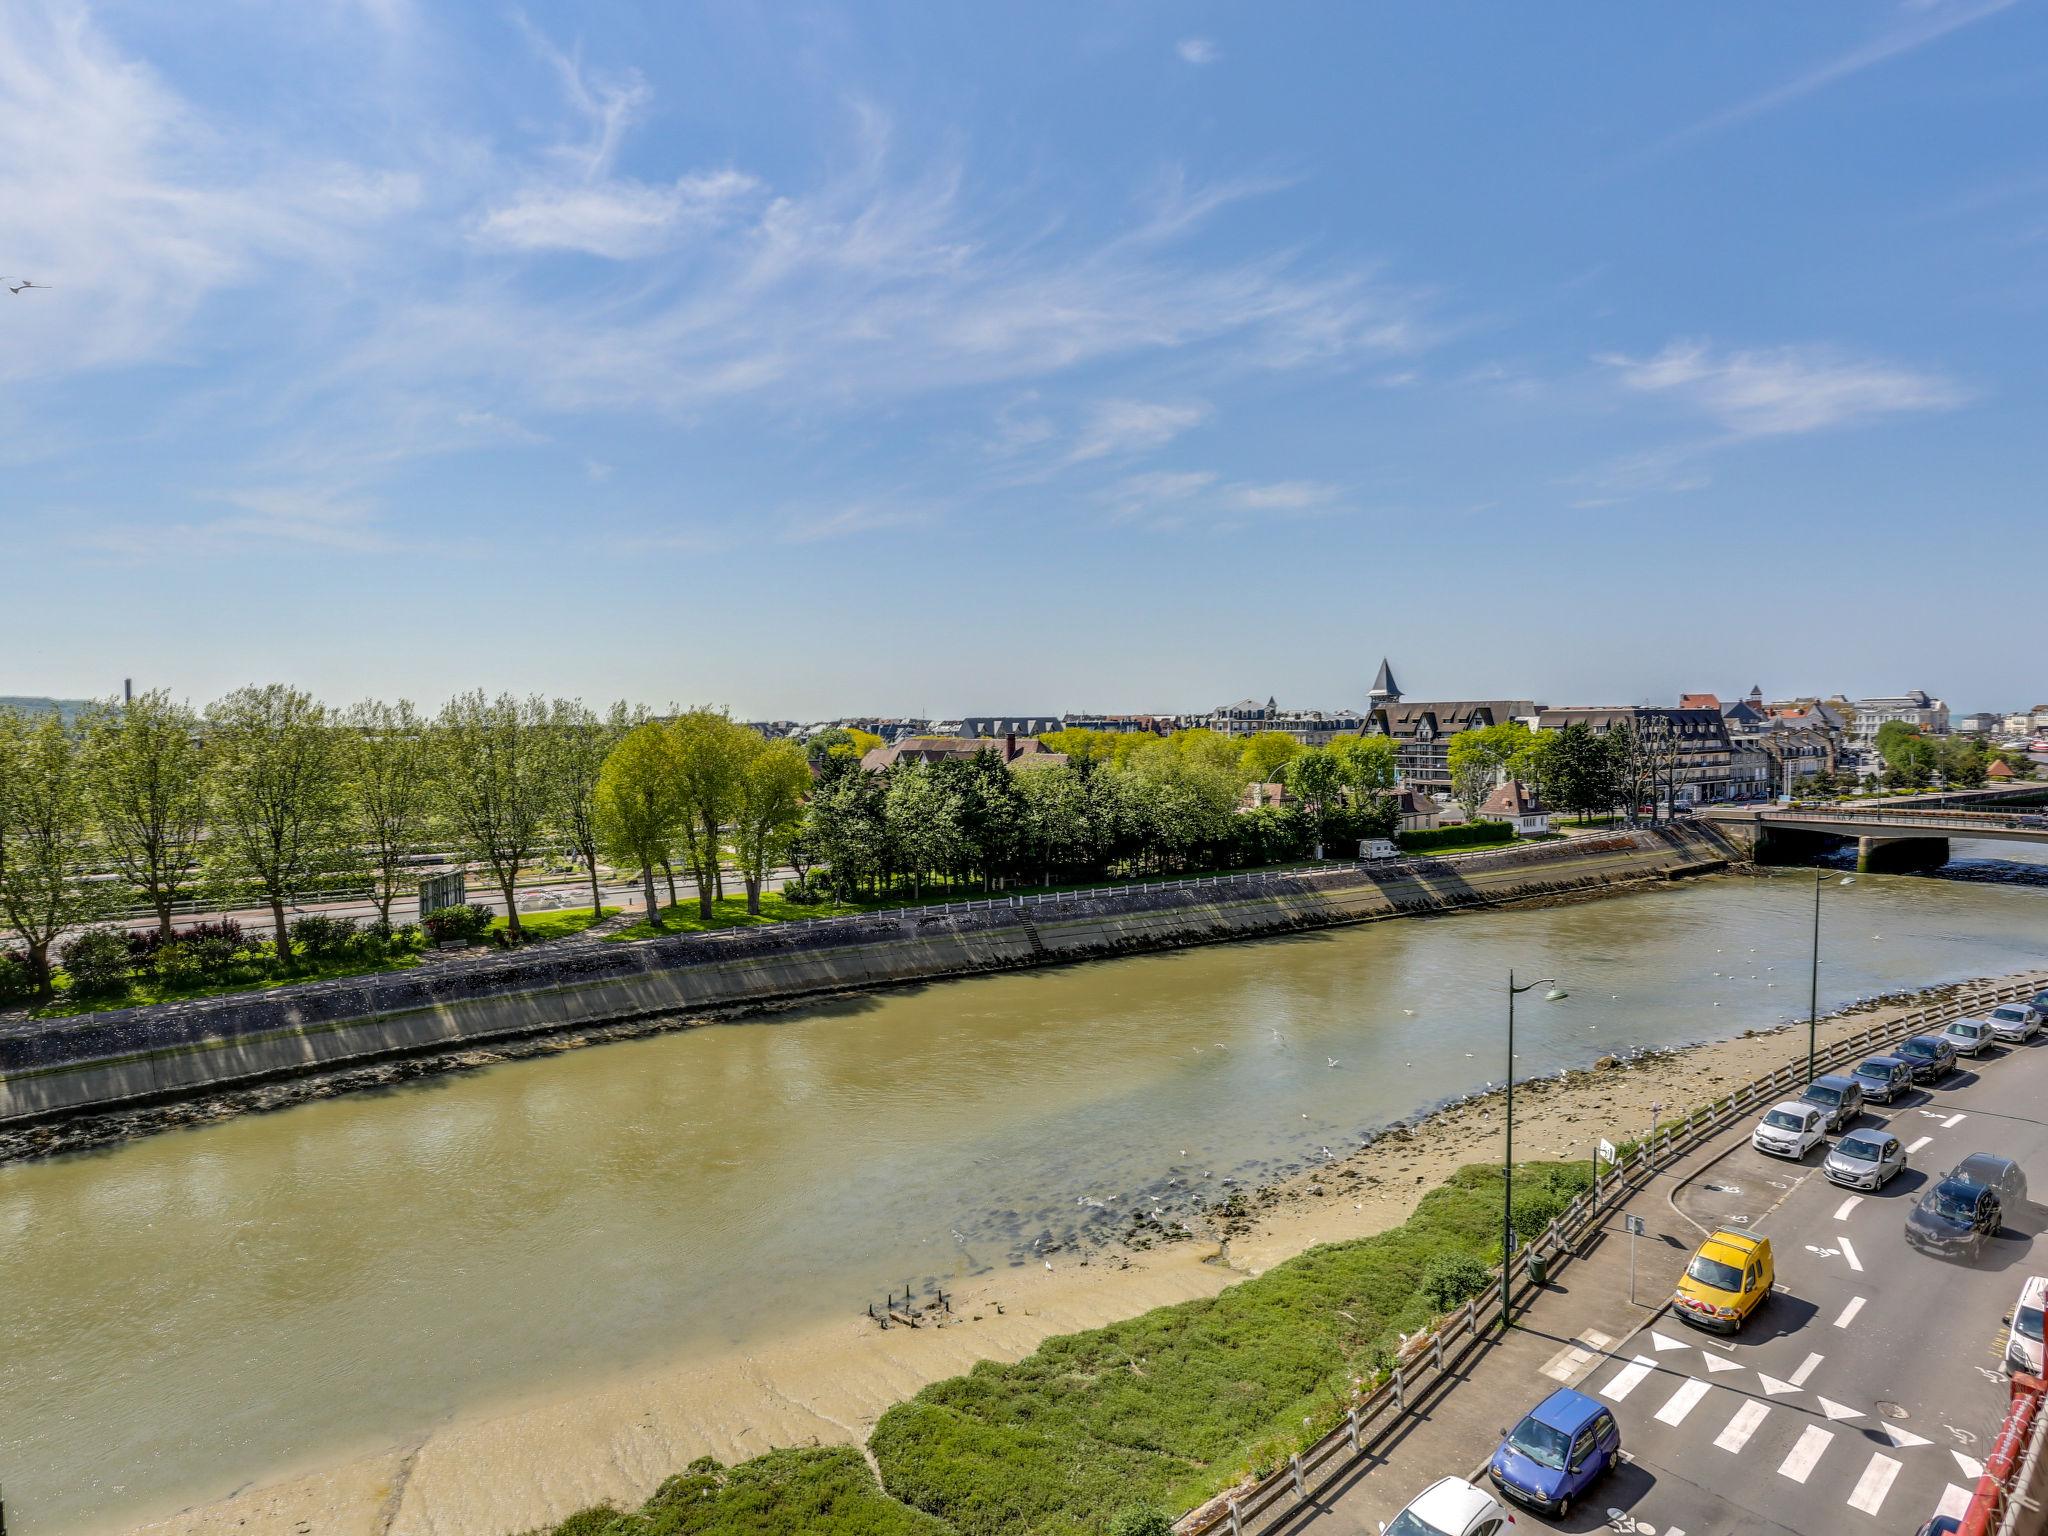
(824, 1492)
(559, 924)
(145, 990)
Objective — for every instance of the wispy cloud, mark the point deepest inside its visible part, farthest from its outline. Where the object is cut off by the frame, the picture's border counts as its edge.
(861, 517)
(1285, 496)
(1197, 50)
(1169, 499)
(1919, 25)
(1783, 390)
(1133, 426)
(283, 517)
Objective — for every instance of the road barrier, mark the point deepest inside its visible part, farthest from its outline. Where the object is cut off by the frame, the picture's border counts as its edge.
(1427, 1360)
(2007, 1498)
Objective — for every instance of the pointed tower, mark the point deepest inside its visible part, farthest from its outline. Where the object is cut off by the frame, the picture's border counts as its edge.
(1384, 689)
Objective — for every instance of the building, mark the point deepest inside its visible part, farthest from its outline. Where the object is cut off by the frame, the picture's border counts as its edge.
(1014, 750)
(1702, 767)
(1422, 732)
(1917, 709)
(1310, 727)
(1517, 805)
(1982, 723)
(1157, 725)
(1009, 725)
(1418, 809)
(1792, 747)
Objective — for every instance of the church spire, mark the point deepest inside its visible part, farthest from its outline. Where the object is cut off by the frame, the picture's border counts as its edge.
(1384, 689)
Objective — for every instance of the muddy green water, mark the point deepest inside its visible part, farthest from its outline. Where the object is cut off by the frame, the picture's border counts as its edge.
(200, 1310)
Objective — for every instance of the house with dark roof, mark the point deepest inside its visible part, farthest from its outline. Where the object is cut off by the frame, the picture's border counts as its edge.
(1421, 733)
(1700, 761)
(1518, 805)
(1012, 749)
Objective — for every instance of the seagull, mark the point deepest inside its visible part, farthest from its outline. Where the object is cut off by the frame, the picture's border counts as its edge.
(1332, 1060)
(1409, 1011)
(17, 284)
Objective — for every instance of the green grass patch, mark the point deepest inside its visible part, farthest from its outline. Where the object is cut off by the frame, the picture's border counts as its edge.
(559, 924)
(254, 976)
(823, 1492)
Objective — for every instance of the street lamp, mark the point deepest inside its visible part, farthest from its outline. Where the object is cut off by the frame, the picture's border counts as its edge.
(1820, 879)
(1507, 1239)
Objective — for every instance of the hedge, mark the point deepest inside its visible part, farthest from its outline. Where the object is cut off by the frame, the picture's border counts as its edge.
(1469, 834)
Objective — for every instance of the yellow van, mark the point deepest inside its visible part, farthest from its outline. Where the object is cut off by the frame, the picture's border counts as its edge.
(1727, 1280)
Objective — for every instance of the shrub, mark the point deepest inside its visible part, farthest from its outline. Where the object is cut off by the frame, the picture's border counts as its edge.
(97, 961)
(1450, 1278)
(322, 935)
(213, 947)
(1471, 834)
(1141, 1520)
(17, 978)
(467, 923)
(803, 893)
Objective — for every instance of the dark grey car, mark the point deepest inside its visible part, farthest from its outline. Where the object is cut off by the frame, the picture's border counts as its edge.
(2001, 1175)
(1954, 1220)
(1838, 1096)
(1931, 1057)
(1883, 1078)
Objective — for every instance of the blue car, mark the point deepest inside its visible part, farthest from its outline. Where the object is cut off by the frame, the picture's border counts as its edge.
(1556, 1453)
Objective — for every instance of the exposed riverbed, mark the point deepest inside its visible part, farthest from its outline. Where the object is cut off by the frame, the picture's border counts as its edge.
(186, 1314)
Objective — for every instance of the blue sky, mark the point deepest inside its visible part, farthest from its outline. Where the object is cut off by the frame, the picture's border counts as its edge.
(925, 359)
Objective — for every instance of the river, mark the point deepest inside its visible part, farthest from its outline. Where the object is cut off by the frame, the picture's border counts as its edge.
(189, 1313)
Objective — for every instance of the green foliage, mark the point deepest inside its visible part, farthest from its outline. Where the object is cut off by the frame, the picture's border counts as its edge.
(97, 961)
(1481, 758)
(1266, 753)
(467, 922)
(1471, 834)
(1450, 1277)
(322, 935)
(1141, 1520)
(17, 978)
(1167, 1408)
(827, 1491)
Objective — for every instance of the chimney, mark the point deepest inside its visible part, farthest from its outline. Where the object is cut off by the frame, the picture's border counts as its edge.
(1010, 747)
(127, 690)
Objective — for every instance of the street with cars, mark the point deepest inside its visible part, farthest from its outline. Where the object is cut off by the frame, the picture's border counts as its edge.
(1835, 1355)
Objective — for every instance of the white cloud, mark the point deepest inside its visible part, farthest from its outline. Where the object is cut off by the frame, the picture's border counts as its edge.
(616, 218)
(861, 517)
(1783, 390)
(1197, 50)
(1133, 426)
(1173, 498)
(1284, 496)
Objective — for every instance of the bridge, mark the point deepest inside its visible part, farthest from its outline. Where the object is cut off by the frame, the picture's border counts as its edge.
(1893, 833)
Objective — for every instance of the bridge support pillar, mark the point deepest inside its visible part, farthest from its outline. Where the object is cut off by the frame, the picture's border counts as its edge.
(1880, 854)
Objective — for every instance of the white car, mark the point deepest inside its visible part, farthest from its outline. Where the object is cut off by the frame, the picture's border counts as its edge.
(1970, 1037)
(1450, 1506)
(2017, 1022)
(2023, 1343)
(1791, 1129)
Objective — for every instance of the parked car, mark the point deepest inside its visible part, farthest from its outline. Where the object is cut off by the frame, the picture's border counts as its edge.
(2016, 1023)
(1562, 1447)
(1865, 1159)
(1940, 1525)
(1930, 1056)
(1838, 1096)
(1970, 1037)
(1955, 1219)
(1791, 1129)
(1728, 1279)
(2023, 1341)
(1883, 1078)
(1450, 1506)
(2039, 1003)
(2001, 1175)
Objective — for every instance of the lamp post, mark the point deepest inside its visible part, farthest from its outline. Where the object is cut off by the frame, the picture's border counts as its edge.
(1507, 1231)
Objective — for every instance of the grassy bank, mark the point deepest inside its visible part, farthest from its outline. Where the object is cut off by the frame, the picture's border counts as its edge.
(538, 927)
(258, 975)
(1155, 1413)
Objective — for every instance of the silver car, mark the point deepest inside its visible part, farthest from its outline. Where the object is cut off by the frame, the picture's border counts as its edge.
(1970, 1037)
(1865, 1160)
(2014, 1022)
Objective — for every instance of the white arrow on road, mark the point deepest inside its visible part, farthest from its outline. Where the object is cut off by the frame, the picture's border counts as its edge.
(1716, 1363)
(1835, 1410)
(1774, 1387)
(1903, 1439)
(1972, 1468)
(1664, 1341)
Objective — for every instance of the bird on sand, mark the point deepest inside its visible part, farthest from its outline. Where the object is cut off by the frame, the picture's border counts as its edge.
(1332, 1060)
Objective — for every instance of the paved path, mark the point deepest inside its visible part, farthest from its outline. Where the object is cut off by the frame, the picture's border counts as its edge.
(1858, 1401)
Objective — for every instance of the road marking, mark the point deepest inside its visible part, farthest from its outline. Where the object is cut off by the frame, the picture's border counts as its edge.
(1842, 1211)
(1682, 1402)
(1971, 1467)
(1664, 1341)
(1955, 1502)
(1806, 1369)
(1875, 1483)
(1736, 1435)
(1903, 1438)
(1953, 1121)
(1836, 1411)
(1916, 1146)
(1716, 1363)
(1849, 1253)
(1774, 1387)
(1849, 1312)
(1576, 1358)
(1628, 1378)
(1806, 1451)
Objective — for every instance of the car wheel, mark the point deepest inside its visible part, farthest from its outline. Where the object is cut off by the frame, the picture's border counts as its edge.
(1564, 1508)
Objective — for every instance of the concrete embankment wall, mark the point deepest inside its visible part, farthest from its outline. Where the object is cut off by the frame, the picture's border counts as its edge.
(56, 1069)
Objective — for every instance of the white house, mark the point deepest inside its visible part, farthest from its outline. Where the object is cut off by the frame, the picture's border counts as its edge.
(1516, 804)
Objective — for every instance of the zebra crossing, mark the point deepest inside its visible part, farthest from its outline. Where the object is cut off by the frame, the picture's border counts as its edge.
(1804, 1437)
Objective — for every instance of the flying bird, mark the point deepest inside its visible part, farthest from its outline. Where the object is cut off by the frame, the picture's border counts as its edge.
(17, 284)
(1332, 1060)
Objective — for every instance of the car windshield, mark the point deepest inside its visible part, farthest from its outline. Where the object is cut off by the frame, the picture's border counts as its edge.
(1918, 1048)
(1540, 1443)
(1860, 1149)
(1955, 1204)
(1876, 1071)
(1722, 1277)
(1409, 1523)
(1822, 1095)
(1785, 1120)
(2009, 1015)
(2027, 1323)
(1967, 1031)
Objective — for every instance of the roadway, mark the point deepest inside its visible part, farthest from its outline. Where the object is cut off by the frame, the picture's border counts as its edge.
(1859, 1400)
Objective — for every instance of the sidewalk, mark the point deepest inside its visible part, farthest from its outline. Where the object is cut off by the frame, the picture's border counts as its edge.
(1581, 1320)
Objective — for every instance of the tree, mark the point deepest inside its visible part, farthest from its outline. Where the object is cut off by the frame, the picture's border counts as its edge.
(1266, 753)
(1317, 778)
(146, 775)
(581, 743)
(923, 818)
(1965, 762)
(1057, 831)
(1892, 736)
(495, 778)
(773, 782)
(1580, 769)
(1631, 767)
(640, 805)
(387, 765)
(1479, 760)
(710, 753)
(280, 796)
(849, 829)
(45, 821)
